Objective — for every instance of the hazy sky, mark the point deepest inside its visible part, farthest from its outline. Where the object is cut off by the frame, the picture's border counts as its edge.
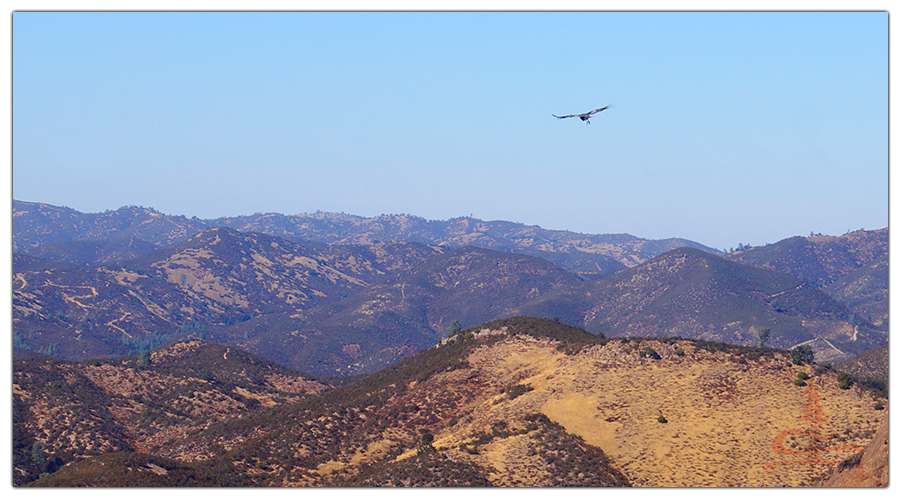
(726, 128)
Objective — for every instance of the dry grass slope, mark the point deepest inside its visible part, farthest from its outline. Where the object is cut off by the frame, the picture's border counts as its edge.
(730, 422)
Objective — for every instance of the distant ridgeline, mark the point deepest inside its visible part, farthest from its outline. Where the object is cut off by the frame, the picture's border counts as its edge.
(336, 295)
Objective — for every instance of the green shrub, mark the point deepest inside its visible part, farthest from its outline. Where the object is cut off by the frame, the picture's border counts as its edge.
(799, 382)
(649, 353)
(844, 380)
(802, 354)
(802, 375)
(661, 419)
(679, 352)
(517, 390)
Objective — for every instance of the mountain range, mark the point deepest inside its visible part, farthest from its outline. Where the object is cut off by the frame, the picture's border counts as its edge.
(37, 226)
(337, 295)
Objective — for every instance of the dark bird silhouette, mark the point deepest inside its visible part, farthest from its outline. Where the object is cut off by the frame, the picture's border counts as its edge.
(586, 117)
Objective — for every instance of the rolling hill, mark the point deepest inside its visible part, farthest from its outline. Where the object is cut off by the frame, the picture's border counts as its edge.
(402, 314)
(326, 309)
(694, 294)
(215, 279)
(515, 402)
(65, 412)
(351, 309)
(852, 268)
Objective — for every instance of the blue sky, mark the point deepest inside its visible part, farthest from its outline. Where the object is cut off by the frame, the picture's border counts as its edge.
(726, 128)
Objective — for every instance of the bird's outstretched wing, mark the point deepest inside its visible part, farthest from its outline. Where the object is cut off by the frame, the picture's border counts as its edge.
(585, 115)
(600, 109)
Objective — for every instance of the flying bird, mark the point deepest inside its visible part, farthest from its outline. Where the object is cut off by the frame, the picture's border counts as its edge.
(586, 117)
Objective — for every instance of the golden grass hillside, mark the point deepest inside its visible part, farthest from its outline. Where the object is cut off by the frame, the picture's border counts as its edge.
(729, 421)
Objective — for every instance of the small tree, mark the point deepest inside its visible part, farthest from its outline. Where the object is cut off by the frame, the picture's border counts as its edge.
(802, 354)
(425, 445)
(763, 334)
(455, 327)
(143, 359)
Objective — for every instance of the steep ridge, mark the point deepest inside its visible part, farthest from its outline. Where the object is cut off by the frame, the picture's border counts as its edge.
(350, 309)
(533, 402)
(694, 294)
